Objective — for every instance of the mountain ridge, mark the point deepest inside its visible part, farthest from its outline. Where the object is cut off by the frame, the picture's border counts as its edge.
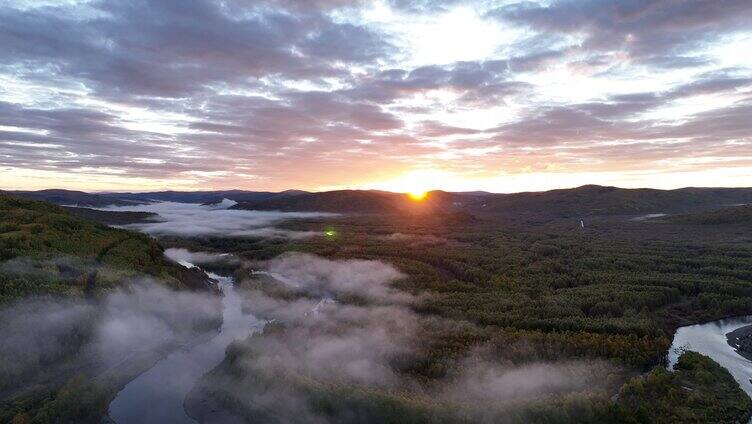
(587, 200)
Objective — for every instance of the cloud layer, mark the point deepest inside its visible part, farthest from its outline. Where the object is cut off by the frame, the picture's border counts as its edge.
(278, 94)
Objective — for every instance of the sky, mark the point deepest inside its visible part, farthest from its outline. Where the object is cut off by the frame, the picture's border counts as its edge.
(401, 95)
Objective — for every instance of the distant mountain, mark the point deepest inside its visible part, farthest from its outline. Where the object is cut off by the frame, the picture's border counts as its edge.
(592, 200)
(98, 200)
(589, 200)
(564, 203)
(207, 197)
(71, 197)
(733, 215)
(329, 201)
(361, 201)
(107, 217)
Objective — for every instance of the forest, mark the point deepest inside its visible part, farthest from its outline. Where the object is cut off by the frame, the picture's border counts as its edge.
(54, 263)
(528, 291)
(508, 293)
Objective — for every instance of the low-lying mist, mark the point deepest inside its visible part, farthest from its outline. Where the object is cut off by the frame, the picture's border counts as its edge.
(322, 277)
(191, 219)
(335, 361)
(341, 345)
(188, 258)
(47, 337)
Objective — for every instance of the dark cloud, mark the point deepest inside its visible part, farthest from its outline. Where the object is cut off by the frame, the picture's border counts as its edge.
(477, 83)
(659, 32)
(174, 48)
(347, 43)
(153, 88)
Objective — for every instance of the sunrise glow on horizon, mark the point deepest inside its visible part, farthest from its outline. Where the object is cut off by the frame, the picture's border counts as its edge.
(408, 97)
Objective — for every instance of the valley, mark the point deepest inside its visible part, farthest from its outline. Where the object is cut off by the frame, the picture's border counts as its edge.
(472, 302)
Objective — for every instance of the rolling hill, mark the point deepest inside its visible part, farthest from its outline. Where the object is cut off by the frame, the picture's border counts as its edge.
(565, 203)
(589, 200)
(46, 250)
(96, 200)
(734, 215)
(599, 200)
(70, 197)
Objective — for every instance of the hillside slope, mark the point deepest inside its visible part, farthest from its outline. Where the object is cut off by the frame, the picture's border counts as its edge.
(599, 200)
(69, 197)
(564, 203)
(734, 215)
(44, 249)
(366, 201)
(589, 200)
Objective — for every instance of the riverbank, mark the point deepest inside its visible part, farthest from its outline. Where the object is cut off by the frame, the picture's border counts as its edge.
(741, 340)
(158, 395)
(131, 368)
(712, 339)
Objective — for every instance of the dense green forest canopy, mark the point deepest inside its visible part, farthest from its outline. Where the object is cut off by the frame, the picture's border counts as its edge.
(548, 290)
(523, 288)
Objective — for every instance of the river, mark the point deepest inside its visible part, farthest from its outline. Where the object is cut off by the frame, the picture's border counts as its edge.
(710, 339)
(157, 395)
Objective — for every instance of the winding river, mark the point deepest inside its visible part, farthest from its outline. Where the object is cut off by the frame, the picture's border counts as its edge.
(157, 395)
(710, 339)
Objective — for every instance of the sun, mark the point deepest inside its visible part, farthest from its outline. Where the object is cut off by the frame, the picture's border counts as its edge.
(417, 195)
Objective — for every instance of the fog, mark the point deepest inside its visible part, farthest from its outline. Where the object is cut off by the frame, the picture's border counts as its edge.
(191, 219)
(483, 381)
(340, 324)
(339, 343)
(43, 337)
(365, 345)
(415, 239)
(148, 315)
(327, 339)
(319, 276)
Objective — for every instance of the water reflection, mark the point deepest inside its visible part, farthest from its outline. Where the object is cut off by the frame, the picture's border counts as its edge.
(157, 395)
(710, 339)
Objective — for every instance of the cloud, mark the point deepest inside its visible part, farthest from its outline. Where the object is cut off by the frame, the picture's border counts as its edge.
(194, 220)
(176, 48)
(138, 92)
(45, 336)
(646, 30)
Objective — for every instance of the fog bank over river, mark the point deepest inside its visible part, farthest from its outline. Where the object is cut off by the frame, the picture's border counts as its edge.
(191, 220)
(157, 395)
